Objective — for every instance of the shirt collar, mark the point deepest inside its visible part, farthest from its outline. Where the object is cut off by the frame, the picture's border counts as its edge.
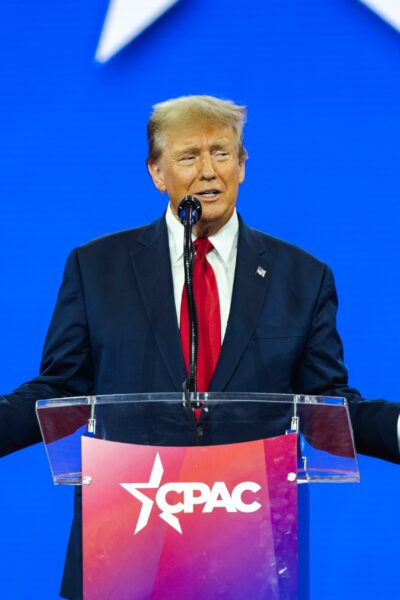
(224, 241)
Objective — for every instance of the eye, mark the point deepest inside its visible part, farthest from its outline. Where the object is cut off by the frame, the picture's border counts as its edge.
(187, 159)
(221, 154)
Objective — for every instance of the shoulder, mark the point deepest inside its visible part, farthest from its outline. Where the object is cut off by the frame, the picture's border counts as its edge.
(121, 242)
(125, 239)
(279, 249)
(293, 267)
(113, 253)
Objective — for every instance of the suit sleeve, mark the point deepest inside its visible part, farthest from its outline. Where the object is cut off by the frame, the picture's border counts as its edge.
(66, 366)
(322, 372)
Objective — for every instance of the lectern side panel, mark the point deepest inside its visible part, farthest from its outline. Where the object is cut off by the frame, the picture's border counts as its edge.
(62, 428)
(200, 523)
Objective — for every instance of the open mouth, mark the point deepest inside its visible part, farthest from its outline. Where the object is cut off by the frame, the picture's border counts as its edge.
(208, 194)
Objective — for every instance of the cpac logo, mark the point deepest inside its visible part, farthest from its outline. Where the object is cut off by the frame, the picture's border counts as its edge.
(190, 495)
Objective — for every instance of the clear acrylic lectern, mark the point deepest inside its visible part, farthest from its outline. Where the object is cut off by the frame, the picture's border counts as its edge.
(197, 505)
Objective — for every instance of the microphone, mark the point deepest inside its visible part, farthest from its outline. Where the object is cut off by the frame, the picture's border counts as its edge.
(189, 211)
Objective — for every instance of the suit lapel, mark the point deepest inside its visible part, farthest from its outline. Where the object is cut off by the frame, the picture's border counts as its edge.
(152, 267)
(252, 277)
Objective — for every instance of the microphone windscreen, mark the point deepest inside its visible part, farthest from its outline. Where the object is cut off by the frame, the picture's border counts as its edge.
(189, 208)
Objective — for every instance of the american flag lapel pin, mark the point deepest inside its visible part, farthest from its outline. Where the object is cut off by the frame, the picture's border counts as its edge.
(261, 272)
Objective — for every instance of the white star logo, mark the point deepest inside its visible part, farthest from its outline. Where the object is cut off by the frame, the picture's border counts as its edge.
(389, 10)
(147, 504)
(125, 20)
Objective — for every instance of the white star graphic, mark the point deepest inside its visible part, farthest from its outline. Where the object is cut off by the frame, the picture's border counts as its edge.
(125, 20)
(389, 10)
(147, 504)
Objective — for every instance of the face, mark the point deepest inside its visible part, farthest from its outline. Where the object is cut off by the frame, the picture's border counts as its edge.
(201, 161)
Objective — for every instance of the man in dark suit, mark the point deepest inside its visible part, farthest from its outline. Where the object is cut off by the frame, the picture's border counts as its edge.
(115, 328)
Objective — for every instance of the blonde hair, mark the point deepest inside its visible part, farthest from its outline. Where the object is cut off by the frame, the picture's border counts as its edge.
(193, 109)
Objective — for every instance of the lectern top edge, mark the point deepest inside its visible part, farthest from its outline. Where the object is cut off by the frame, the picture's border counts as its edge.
(201, 397)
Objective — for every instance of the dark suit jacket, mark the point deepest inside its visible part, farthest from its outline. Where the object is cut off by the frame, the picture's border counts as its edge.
(114, 330)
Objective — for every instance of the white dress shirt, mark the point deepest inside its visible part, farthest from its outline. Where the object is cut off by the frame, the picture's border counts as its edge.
(222, 258)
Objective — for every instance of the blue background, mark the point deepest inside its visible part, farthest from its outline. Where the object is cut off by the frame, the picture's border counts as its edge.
(322, 82)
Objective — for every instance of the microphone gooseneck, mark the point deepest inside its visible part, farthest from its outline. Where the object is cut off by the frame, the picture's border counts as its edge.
(189, 212)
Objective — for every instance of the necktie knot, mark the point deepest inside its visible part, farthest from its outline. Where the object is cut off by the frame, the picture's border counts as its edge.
(203, 247)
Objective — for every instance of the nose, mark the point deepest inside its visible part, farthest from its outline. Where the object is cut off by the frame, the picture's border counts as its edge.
(206, 167)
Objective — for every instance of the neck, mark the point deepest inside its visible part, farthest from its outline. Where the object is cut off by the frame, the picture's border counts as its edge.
(205, 229)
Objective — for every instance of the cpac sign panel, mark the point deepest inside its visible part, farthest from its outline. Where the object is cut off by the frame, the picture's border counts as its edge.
(194, 523)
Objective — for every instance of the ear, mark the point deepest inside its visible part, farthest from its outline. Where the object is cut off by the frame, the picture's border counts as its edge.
(242, 170)
(157, 176)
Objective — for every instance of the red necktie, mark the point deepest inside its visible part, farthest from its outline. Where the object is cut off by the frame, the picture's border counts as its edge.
(208, 316)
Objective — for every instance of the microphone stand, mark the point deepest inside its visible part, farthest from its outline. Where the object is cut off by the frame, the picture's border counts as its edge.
(188, 262)
(189, 212)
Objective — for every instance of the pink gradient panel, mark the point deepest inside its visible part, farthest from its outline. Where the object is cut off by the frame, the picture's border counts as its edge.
(219, 554)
